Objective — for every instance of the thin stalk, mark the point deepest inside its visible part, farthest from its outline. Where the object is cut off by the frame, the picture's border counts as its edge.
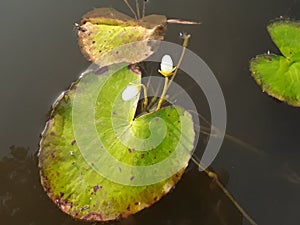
(184, 45)
(137, 5)
(144, 8)
(145, 96)
(167, 83)
(154, 98)
(177, 21)
(131, 9)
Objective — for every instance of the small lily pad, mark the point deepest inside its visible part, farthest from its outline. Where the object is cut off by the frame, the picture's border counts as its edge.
(279, 76)
(104, 29)
(69, 175)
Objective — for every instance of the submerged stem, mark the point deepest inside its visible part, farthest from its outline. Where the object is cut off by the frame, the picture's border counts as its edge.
(224, 190)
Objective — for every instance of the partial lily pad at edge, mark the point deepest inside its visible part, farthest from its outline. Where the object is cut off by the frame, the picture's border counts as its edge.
(286, 35)
(279, 76)
(74, 185)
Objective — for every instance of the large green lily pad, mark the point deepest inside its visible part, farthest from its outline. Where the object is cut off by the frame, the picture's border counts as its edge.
(279, 76)
(71, 151)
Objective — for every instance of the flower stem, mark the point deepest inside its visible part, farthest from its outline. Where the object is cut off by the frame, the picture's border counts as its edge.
(161, 99)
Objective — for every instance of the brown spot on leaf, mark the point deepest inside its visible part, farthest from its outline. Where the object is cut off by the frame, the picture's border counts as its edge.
(82, 29)
(119, 217)
(101, 70)
(47, 124)
(134, 68)
(96, 188)
(85, 208)
(65, 207)
(73, 142)
(93, 216)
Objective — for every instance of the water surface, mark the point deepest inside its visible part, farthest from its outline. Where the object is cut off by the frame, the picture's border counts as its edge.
(40, 58)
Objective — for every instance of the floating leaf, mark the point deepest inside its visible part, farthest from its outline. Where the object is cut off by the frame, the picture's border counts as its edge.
(279, 76)
(105, 29)
(286, 35)
(69, 173)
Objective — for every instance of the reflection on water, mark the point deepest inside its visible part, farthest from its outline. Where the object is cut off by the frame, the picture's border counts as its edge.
(290, 175)
(195, 198)
(22, 198)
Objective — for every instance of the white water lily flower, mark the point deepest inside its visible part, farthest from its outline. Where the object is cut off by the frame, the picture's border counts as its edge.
(166, 66)
(130, 92)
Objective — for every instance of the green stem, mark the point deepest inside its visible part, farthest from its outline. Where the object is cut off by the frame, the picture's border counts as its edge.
(167, 84)
(145, 96)
(161, 100)
(185, 44)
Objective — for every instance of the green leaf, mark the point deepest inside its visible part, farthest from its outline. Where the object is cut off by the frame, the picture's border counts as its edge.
(70, 155)
(286, 35)
(279, 76)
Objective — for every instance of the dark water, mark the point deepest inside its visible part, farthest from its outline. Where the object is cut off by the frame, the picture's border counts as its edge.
(40, 58)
